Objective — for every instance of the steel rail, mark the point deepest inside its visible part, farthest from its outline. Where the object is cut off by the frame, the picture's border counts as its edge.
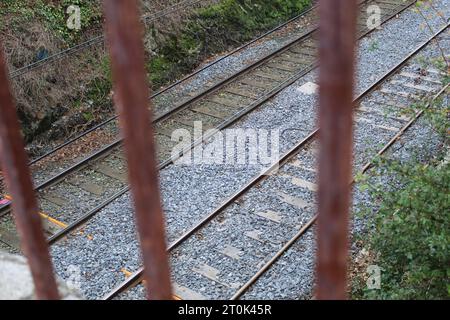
(338, 28)
(136, 276)
(86, 217)
(365, 168)
(311, 222)
(178, 82)
(178, 108)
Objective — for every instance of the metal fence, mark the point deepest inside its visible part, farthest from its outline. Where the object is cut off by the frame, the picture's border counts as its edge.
(338, 29)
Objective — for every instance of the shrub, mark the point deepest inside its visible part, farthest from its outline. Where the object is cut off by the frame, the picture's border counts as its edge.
(411, 232)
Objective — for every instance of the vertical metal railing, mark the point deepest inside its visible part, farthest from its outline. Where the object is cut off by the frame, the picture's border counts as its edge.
(18, 180)
(337, 43)
(131, 98)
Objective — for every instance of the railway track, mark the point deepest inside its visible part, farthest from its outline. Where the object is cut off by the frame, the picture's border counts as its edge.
(111, 124)
(60, 152)
(101, 178)
(224, 263)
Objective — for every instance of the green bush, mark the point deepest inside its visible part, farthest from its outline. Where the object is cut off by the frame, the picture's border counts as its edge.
(410, 239)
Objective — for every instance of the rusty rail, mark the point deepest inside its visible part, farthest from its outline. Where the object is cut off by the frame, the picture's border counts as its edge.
(337, 43)
(14, 162)
(131, 92)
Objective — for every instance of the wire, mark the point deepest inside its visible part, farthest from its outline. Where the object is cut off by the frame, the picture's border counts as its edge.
(171, 9)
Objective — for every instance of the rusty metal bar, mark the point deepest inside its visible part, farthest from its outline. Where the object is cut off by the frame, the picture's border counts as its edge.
(337, 43)
(18, 180)
(131, 98)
